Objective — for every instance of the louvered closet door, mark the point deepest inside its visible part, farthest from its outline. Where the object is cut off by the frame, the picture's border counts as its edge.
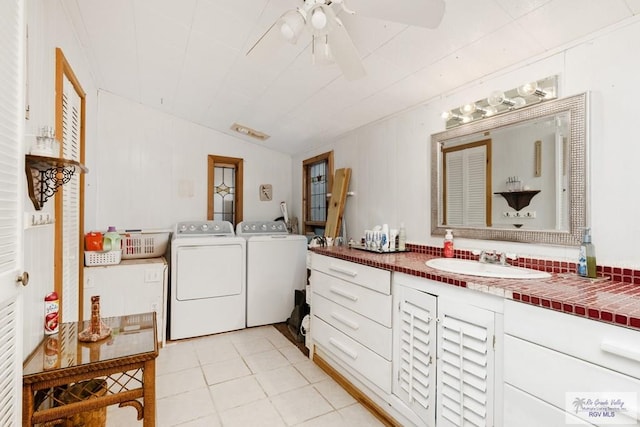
(11, 200)
(465, 365)
(71, 122)
(414, 351)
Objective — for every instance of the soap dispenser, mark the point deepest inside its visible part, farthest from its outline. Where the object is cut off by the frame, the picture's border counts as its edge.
(587, 257)
(448, 244)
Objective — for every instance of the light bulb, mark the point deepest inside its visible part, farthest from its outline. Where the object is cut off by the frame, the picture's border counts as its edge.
(496, 98)
(468, 109)
(446, 115)
(292, 25)
(518, 102)
(287, 31)
(318, 19)
(528, 89)
(490, 111)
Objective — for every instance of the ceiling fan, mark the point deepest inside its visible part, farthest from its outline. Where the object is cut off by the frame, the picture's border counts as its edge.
(330, 41)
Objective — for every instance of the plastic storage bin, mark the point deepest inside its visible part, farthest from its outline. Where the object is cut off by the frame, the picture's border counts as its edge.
(94, 258)
(144, 244)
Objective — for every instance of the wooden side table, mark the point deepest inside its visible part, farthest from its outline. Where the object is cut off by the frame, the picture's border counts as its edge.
(124, 362)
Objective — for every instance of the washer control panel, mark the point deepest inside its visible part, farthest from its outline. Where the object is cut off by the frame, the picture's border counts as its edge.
(261, 227)
(204, 228)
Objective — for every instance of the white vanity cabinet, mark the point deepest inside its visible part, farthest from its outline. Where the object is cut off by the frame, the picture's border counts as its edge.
(553, 359)
(447, 363)
(414, 352)
(351, 320)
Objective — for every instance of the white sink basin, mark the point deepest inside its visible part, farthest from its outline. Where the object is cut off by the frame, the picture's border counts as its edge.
(475, 268)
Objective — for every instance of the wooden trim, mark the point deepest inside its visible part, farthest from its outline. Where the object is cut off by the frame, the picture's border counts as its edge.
(362, 398)
(308, 225)
(63, 68)
(238, 163)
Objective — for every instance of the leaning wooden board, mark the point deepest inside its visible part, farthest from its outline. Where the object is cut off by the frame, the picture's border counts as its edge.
(337, 201)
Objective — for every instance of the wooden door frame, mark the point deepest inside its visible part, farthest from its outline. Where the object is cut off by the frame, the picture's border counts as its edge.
(63, 68)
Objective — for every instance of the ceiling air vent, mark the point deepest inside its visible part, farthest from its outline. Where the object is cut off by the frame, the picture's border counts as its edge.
(249, 132)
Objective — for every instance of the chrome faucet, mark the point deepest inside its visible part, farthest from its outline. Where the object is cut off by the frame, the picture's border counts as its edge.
(492, 257)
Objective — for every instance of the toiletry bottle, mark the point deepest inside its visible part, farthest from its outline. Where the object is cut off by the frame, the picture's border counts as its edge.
(591, 254)
(384, 238)
(448, 244)
(587, 257)
(402, 238)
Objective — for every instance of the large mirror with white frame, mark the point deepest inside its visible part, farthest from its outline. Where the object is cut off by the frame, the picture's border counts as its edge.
(519, 176)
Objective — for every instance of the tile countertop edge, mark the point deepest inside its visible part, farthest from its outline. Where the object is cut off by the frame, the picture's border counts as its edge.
(617, 303)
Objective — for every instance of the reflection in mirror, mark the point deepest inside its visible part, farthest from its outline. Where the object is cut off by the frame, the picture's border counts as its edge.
(516, 177)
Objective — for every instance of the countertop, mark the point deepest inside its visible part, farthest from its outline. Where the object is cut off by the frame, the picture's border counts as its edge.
(602, 299)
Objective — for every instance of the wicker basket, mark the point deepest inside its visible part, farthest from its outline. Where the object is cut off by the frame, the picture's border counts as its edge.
(94, 258)
(82, 391)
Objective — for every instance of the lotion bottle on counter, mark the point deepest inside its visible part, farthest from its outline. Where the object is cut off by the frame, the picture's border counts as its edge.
(448, 244)
(402, 238)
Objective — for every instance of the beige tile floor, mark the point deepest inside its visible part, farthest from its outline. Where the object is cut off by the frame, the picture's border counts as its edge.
(252, 377)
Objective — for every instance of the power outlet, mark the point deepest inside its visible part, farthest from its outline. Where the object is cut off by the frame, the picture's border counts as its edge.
(151, 276)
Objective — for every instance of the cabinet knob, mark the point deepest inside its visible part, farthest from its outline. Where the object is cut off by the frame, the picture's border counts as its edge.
(23, 278)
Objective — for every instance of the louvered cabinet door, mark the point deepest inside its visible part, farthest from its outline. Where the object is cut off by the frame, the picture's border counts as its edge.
(465, 369)
(414, 351)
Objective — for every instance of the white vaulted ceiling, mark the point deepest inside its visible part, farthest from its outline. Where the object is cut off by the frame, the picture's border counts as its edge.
(187, 58)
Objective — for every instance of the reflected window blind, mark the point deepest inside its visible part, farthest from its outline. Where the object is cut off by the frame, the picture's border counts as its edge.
(466, 184)
(71, 104)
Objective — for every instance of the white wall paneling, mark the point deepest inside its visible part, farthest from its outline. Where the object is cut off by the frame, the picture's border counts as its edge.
(390, 159)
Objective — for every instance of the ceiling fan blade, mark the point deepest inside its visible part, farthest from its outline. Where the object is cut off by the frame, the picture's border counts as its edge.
(421, 13)
(344, 52)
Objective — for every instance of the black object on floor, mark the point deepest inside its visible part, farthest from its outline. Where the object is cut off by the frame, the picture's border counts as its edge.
(283, 328)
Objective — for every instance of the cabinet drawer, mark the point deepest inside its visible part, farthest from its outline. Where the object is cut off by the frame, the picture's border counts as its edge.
(606, 345)
(352, 354)
(371, 304)
(550, 375)
(362, 329)
(369, 277)
(523, 410)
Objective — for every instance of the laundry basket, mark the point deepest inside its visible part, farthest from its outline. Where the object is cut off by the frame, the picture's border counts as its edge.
(144, 244)
(80, 392)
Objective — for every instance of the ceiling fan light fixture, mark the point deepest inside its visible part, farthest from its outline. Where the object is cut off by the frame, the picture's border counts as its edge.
(291, 26)
(318, 19)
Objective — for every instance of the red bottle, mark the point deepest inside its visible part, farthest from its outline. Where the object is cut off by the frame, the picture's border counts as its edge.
(448, 245)
(51, 309)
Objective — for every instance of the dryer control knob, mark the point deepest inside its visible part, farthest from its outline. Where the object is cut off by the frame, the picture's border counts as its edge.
(192, 227)
(264, 226)
(204, 227)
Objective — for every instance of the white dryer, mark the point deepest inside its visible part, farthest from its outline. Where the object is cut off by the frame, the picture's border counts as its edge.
(276, 267)
(208, 279)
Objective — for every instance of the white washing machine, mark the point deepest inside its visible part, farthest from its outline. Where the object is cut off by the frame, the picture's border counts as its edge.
(276, 267)
(208, 279)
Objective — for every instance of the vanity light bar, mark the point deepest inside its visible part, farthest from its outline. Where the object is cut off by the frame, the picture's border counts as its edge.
(499, 102)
